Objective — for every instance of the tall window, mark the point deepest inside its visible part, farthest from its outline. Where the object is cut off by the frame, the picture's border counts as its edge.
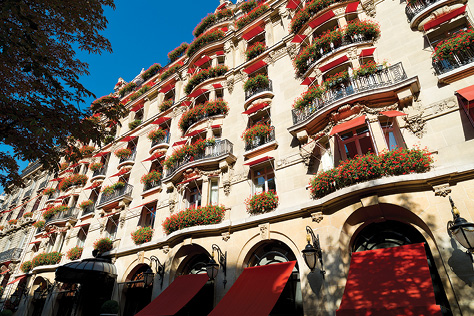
(111, 227)
(392, 134)
(213, 191)
(193, 196)
(263, 179)
(51, 241)
(357, 141)
(82, 235)
(148, 215)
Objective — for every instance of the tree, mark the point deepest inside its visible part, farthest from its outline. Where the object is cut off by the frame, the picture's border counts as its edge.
(40, 92)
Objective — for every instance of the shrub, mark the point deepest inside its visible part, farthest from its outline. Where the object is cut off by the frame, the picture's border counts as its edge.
(262, 203)
(103, 245)
(86, 204)
(198, 112)
(13, 222)
(134, 124)
(165, 105)
(447, 49)
(171, 70)
(257, 82)
(365, 27)
(205, 215)
(111, 188)
(314, 92)
(151, 176)
(251, 16)
(178, 52)
(203, 75)
(150, 72)
(43, 259)
(38, 224)
(123, 153)
(129, 87)
(188, 151)
(248, 6)
(86, 150)
(258, 129)
(109, 307)
(142, 235)
(157, 134)
(96, 166)
(370, 166)
(255, 50)
(49, 191)
(203, 40)
(26, 266)
(74, 253)
(28, 215)
(75, 179)
(50, 212)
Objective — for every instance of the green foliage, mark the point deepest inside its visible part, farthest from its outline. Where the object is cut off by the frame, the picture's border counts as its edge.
(203, 40)
(178, 52)
(43, 259)
(103, 245)
(447, 49)
(134, 124)
(251, 16)
(258, 129)
(152, 176)
(111, 188)
(150, 72)
(210, 20)
(38, 224)
(165, 105)
(193, 217)
(170, 71)
(262, 203)
(157, 134)
(140, 92)
(75, 179)
(129, 87)
(257, 82)
(314, 92)
(203, 75)
(188, 151)
(255, 50)
(74, 253)
(26, 266)
(248, 6)
(198, 112)
(6, 312)
(142, 235)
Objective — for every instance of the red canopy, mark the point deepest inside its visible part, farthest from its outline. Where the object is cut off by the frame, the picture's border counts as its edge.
(257, 161)
(33, 243)
(252, 32)
(17, 279)
(321, 19)
(138, 106)
(161, 120)
(298, 38)
(196, 93)
(143, 204)
(181, 142)
(8, 270)
(121, 172)
(82, 225)
(102, 154)
(444, 18)
(187, 181)
(128, 138)
(202, 61)
(194, 132)
(308, 81)
(256, 291)
(392, 113)
(220, 53)
(348, 125)
(191, 70)
(334, 63)
(167, 88)
(185, 103)
(56, 179)
(391, 281)
(256, 66)
(175, 296)
(467, 93)
(221, 6)
(352, 7)
(154, 156)
(293, 4)
(217, 85)
(217, 126)
(367, 52)
(255, 108)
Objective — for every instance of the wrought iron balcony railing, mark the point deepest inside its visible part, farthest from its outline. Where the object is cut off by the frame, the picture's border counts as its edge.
(89, 209)
(362, 84)
(251, 93)
(27, 170)
(260, 140)
(43, 185)
(165, 140)
(100, 172)
(118, 194)
(129, 158)
(458, 60)
(12, 254)
(416, 7)
(71, 213)
(53, 195)
(221, 147)
(151, 185)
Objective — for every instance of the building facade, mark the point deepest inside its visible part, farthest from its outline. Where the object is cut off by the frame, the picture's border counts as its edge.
(349, 120)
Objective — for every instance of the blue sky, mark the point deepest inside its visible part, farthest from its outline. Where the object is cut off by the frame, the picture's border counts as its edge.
(142, 33)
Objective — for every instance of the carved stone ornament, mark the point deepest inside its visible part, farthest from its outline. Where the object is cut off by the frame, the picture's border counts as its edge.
(229, 84)
(166, 249)
(228, 47)
(306, 152)
(172, 204)
(264, 231)
(442, 190)
(283, 12)
(352, 53)
(278, 53)
(225, 236)
(292, 50)
(415, 124)
(317, 217)
(369, 7)
(141, 256)
(226, 186)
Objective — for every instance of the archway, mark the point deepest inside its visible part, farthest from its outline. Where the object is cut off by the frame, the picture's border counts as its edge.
(137, 296)
(38, 303)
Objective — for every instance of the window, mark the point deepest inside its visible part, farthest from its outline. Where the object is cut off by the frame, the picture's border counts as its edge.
(392, 134)
(139, 114)
(213, 191)
(22, 211)
(85, 168)
(82, 235)
(259, 38)
(263, 179)
(111, 227)
(221, 60)
(51, 241)
(355, 142)
(36, 205)
(62, 238)
(147, 218)
(192, 196)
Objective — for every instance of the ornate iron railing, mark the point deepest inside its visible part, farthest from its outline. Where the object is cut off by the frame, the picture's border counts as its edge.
(89, 209)
(459, 59)
(165, 140)
(382, 78)
(53, 195)
(27, 170)
(251, 93)
(100, 172)
(416, 7)
(117, 194)
(71, 213)
(12, 254)
(151, 185)
(260, 140)
(129, 158)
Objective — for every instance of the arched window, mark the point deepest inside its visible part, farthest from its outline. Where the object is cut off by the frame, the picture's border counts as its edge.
(137, 295)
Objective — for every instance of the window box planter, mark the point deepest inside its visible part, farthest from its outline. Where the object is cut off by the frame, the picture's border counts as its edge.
(251, 16)
(188, 152)
(156, 135)
(49, 213)
(38, 224)
(28, 215)
(311, 9)
(49, 191)
(170, 71)
(26, 266)
(255, 50)
(201, 111)
(256, 83)
(74, 253)
(103, 245)
(142, 235)
(211, 19)
(96, 166)
(151, 177)
(123, 153)
(44, 259)
(203, 75)
(76, 179)
(178, 52)
(150, 72)
(262, 203)
(165, 105)
(206, 38)
(193, 217)
(134, 124)
(256, 131)
(129, 87)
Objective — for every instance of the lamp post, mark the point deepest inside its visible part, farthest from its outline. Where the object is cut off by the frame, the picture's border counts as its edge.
(212, 268)
(148, 275)
(312, 251)
(462, 230)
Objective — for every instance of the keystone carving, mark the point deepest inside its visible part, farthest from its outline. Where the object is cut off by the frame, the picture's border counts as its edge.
(442, 190)
(229, 84)
(225, 236)
(416, 125)
(264, 231)
(226, 186)
(317, 217)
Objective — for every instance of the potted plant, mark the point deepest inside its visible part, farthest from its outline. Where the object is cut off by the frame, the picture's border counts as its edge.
(74, 253)
(109, 308)
(262, 203)
(26, 266)
(103, 245)
(152, 176)
(96, 166)
(142, 235)
(134, 124)
(257, 82)
(38, 224)
(123, 153)
(86, 204)
(201, 215)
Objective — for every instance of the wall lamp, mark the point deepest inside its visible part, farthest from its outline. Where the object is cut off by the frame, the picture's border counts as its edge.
(462, 230)
(312, 251)
(148, 275)
(212, 268)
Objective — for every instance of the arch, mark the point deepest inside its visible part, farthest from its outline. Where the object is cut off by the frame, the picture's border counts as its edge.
(183, 257)
(134, 292)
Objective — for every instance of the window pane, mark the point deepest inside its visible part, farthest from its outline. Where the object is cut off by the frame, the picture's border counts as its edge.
(271, 184)
(259, 185)
(214, 192)
(346, 135)
(362, 130)
(351, 149)
(366, 145)
(391, 141)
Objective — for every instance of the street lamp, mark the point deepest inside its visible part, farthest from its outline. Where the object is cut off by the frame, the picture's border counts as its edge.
(212, 268)
(312, 251)
(462, 230)
(148, 275)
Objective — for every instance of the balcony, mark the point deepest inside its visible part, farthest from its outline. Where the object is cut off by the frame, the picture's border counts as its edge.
(53, 196)
(151, 185)
(419, 9)
(211, 154)
(251, 93)
(165, 140)
(88, 210)
(43, 185)
(260, 140)
(130, 158)
(388, 77)
(28, 193)
(12, 254)
(100, 173)
(71, 214)
(117, 195)
(461, 65)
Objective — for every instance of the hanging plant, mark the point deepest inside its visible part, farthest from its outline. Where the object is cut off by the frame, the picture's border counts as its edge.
(74, 253)
(165, 105)
(157, 135)
(103, 245)
(123, 153)
(150, 72)
(152, 176)
(96, 166)
(200, 111)
(257, 130)
(262, 203)
(257, 82)
(86, 204)
(142, 235)
(39, 224)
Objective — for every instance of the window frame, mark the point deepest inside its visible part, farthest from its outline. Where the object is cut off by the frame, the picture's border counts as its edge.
(356, 137)
(267, 170)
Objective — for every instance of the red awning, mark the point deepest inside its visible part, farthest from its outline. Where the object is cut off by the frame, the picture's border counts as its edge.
(182, 142)
(161, 120)
(224, 29)
(185, 103)
(143, 204)
(348, 125)
(467, 93)
(390, 281)
(321, 19)
(63, 197)
(298, 38)
(392, 113)
(308, 81)
(154, 156)
(175, 296)
(121, 173)
(202, 61)
(217, 85)
(257, 161)
(196, 93)
(255, 108)
(252, 32)
(8, 270)
(82, 225)
(334, 63)
(448, 16)
(256, 291)
(167, 88)
(352, 7)
(188, 180)
(17, 279)
(367, 52)
(128, 138)
(221, 6)
(138, 106)
(220, 53)
(194, 132)
(75, 165)
(293, 4)
(191, 70)
(56, 179)
(107, 215)
(256, 66)
(35, 242)
(102, 154)
(93, 186)
(217, 126)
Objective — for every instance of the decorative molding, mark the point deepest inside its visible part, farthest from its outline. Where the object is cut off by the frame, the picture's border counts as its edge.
(292, 50)
(415, 124)
(317, 217)
(141, 256)
(229, 84)
(442, 190)
(369, 7)
(166, 249)
(225, 236)
(264, 231)
(226, 187)
(283, 12)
